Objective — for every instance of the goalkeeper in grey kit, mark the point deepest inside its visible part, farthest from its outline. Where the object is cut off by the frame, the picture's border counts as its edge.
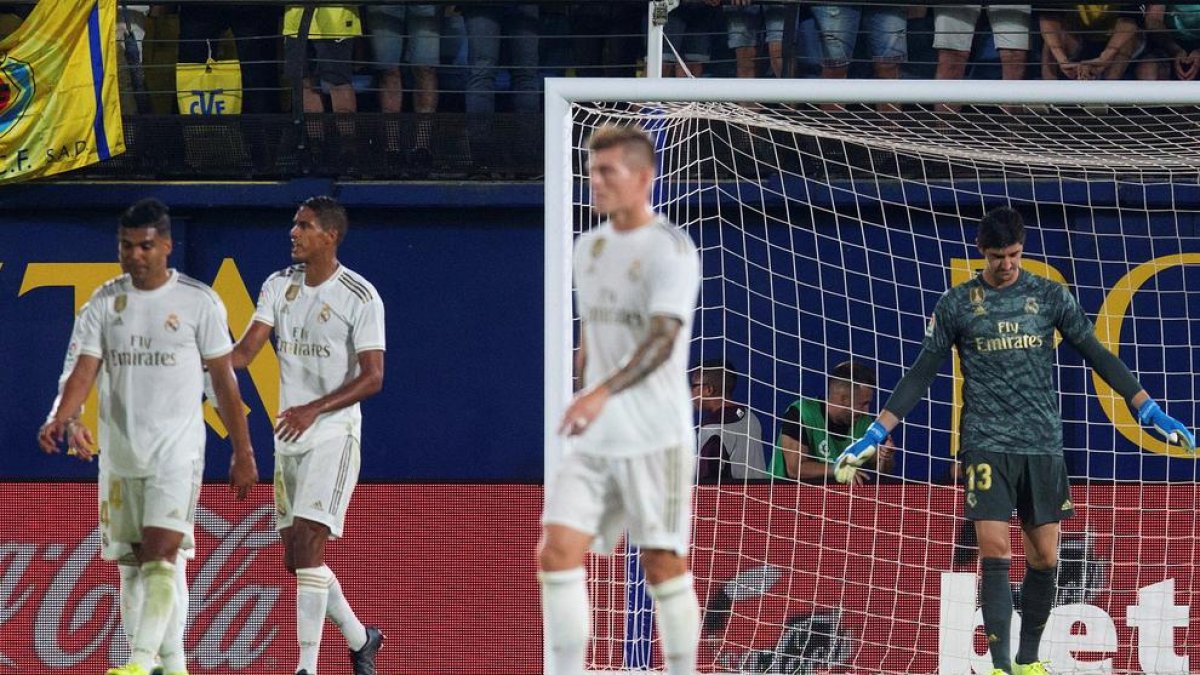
(1002, 322)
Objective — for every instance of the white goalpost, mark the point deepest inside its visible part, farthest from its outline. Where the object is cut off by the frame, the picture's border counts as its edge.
(827, 233)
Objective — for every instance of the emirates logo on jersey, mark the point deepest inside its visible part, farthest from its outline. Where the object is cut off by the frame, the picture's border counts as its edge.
(172, 323)
(326, 312)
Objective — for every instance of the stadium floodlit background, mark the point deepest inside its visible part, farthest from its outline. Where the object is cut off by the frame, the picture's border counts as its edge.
(446, 211)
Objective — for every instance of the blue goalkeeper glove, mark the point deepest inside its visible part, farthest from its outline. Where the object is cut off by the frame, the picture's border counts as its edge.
(858, 453)
(1171, 428)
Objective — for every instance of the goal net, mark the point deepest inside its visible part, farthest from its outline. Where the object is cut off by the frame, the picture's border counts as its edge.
(828, 234)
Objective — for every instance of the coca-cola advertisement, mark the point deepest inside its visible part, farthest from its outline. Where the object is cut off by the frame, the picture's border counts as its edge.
(447, 572)
(795, 579)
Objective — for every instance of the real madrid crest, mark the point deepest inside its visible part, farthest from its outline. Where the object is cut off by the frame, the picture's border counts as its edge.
(120, 302)
(977, 300)
(292, 292)
(1031, 306)
(326, 312)
(635, 271)
(172, 323)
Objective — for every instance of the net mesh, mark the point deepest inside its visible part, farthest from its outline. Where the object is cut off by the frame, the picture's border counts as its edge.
(829, 235)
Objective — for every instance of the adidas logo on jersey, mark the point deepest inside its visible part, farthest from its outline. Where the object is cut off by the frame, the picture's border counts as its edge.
(1067, 505)
(318, 505)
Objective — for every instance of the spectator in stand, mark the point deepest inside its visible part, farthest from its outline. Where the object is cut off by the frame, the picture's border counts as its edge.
(887, 33)
(488, 26)
(814, 433)
(1088, 42)
(689, 30)
(954, 31)
(609, 39)
(421, 24)
(254, 29)
(131, 32)
(331, 48)
(730, 438)
(1174, 35)
(388, 26)
(751, 25)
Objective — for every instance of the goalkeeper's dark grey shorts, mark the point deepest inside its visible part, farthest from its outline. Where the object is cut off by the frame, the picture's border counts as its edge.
(1035, 486)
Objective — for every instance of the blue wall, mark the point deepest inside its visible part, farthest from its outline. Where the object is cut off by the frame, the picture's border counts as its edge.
(462, 290)
(460, 271)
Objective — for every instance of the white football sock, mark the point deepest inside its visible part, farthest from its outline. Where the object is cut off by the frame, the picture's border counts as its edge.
(678, 615)
(174, 657)
(158, 601)
(312, 597)
(342, 616)
(131, 599)
(566, 618)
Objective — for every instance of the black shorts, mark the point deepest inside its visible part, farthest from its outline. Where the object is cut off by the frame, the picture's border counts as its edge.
(329, 61)
(1036, 486)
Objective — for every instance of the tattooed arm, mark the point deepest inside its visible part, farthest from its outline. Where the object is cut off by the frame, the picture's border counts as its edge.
(649, 355)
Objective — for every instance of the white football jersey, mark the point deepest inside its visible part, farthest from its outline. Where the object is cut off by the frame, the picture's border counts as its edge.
(622, 278)
(319, 331)
(152, 345)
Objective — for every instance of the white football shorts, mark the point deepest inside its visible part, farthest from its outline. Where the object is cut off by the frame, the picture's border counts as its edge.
(166, 499)
(317, 485)
(650, 495)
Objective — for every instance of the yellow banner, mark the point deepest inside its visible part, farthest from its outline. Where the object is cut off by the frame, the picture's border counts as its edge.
(59, 104)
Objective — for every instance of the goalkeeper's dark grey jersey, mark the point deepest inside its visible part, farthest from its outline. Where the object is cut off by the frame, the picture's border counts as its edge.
(1005, 338)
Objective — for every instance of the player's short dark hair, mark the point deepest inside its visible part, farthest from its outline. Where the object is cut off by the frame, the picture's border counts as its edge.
(331, 215)
(1000, 228)
(634, 140)
(718, 374)
(146, 213)
(849, 373)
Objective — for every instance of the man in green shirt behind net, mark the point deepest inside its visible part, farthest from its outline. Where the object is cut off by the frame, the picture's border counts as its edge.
(1002, 322)
(814, 433)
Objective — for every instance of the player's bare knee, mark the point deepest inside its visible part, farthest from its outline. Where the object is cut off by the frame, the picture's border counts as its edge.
(159, 544)
(662, 565)
(1041, 560)
(994, 547)
(555, 555)
(308, 543)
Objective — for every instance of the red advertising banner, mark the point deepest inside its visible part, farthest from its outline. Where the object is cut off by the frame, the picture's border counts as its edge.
(447, 572)
(809, 579)
(793, 579)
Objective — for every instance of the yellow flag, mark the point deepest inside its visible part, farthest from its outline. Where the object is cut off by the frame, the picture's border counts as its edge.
(59, 104)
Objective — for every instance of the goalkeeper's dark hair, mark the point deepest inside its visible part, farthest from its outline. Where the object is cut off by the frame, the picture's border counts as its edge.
(718, 374)
(147, 213)
(331, 215)
(636, 142)
(849, 373)
(1000, 228)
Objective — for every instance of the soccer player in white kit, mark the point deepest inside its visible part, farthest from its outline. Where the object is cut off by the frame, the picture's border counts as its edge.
(171, 653)
(154, 330)
(329, 337)
(637, 278)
